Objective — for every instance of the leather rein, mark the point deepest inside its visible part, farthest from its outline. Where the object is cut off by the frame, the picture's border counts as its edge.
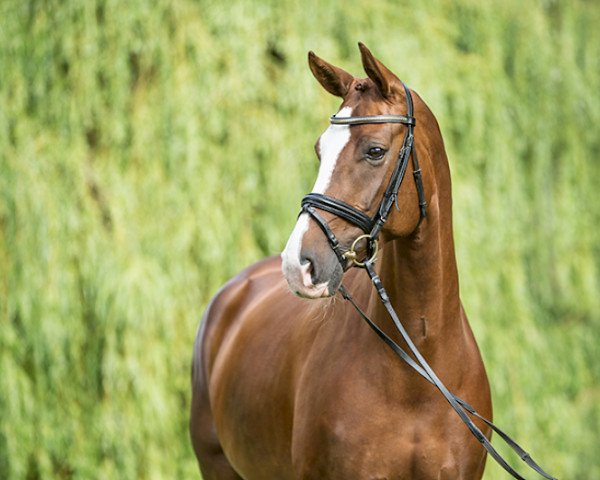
(371, 226)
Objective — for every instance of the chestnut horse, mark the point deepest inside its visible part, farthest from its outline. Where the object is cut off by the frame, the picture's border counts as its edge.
(289, 388)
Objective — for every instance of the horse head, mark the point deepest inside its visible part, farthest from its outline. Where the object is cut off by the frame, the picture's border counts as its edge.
(357, 162)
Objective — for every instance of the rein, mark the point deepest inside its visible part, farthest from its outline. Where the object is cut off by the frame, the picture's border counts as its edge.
(422, 368)
(372, 227)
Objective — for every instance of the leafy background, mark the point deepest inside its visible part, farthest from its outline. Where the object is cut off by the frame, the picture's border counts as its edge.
(150, 150)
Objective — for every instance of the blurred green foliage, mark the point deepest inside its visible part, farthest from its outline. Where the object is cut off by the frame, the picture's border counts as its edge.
(150, 150)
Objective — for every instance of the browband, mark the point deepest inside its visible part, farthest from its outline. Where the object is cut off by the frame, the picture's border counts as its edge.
(406, 120)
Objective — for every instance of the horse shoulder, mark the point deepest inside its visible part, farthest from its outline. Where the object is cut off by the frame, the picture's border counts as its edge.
(223, 312)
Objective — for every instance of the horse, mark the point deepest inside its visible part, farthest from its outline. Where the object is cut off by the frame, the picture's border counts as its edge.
(287, 381)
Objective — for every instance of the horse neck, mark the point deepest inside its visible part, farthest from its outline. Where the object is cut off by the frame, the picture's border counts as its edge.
(420, 275)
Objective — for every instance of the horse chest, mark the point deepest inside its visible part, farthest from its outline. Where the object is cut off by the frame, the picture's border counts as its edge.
(374, 423)
(340, 415)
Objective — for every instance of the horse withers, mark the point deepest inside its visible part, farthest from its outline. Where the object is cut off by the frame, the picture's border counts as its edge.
(289, 388)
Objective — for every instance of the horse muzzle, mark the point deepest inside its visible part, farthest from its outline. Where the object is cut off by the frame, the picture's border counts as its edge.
(311, 272)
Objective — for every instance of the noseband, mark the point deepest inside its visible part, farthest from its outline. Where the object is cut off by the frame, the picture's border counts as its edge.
(371, 226)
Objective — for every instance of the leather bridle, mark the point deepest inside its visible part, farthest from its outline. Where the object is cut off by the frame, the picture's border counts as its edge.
(371, 226)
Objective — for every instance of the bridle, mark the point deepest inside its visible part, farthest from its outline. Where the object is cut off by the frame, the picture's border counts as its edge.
(371, 226)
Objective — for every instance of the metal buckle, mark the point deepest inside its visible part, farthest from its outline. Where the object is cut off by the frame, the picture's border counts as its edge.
(352, 254)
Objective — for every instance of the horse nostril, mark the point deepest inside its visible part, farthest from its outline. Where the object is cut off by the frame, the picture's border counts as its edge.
(308, 271)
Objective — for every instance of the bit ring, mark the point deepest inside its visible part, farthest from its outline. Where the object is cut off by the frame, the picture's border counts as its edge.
(352, 255)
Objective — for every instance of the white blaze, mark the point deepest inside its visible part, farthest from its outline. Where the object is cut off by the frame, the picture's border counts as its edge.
(332, 142)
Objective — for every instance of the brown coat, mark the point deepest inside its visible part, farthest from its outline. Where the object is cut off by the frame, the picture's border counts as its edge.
(289, 388)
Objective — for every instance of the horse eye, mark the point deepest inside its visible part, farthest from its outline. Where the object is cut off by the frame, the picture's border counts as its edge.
(376, 153)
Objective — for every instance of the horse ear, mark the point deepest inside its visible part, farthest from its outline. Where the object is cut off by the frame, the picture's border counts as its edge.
(333, 79)
(378, 72)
